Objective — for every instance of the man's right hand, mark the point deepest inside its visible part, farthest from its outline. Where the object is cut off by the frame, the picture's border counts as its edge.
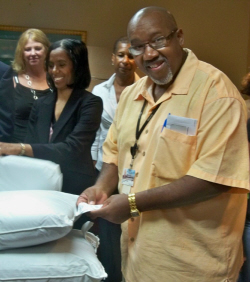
(103, 188)
(93, 196)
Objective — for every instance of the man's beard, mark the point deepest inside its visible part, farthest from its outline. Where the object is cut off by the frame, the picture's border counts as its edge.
(164, 80)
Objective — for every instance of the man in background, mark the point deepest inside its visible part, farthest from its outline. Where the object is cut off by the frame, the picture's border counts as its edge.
(109, 252)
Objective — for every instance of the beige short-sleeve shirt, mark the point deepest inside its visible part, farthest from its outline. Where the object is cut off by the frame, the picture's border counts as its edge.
(200, 242)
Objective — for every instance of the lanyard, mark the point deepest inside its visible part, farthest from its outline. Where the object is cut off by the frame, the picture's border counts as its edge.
(138, 131)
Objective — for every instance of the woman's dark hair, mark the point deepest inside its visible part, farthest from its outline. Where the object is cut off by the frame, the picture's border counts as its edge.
(78, 53)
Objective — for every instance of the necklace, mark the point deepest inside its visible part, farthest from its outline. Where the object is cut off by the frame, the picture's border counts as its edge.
(29, 82)
(28, 79)
(34, 94)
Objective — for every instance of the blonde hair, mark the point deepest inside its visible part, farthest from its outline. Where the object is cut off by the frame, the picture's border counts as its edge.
(34, 34)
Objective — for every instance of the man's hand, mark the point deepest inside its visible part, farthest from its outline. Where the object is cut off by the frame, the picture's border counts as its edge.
(115, 209)
(103, 188)
(92, 196)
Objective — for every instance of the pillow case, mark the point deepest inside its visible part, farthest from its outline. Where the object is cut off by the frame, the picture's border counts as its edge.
(69, 259)
(34, 217)
(24, 173)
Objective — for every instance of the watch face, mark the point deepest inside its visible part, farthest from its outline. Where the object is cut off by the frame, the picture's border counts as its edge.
(135, 213)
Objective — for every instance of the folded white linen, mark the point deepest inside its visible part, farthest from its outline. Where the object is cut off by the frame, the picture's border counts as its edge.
(69, 259)
(84, 207)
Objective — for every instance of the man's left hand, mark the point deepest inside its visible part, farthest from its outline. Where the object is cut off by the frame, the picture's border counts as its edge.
(115, 209)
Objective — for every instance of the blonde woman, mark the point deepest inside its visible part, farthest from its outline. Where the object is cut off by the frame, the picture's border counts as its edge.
(29, 77)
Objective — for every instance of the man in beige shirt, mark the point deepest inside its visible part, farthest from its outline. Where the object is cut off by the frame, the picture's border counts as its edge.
(178, 151)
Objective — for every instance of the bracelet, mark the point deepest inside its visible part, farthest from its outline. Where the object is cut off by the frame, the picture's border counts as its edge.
(22, 149)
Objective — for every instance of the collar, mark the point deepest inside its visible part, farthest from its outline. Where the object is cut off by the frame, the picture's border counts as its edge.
(108, 84)
(185, 77)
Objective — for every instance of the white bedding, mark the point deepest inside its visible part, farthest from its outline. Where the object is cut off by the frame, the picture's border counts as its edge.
(35, 217)
(24, 173)
(69, 259)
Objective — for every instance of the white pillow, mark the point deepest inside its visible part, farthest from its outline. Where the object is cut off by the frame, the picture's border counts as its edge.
(33, 217)
(24, 173)
(69, 259)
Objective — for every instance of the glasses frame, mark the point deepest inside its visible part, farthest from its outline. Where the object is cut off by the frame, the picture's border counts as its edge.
(138, 53)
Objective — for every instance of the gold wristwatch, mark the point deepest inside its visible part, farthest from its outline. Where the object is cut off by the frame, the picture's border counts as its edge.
(133, 208)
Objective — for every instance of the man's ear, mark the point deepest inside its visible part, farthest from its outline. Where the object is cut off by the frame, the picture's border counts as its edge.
(180, 36)
(113, 59)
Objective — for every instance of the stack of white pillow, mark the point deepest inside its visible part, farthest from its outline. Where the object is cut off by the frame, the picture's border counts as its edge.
(37, 242)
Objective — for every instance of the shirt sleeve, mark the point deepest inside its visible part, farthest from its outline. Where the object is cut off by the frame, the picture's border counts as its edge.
(7, 106)
(95, 145)
(110, 149)
(222, 147)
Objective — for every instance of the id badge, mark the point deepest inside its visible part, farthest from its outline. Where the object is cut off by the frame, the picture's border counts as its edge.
(128, 177)
(126, 189)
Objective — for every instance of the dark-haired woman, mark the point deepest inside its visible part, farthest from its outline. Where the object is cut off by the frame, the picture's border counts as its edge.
(63, 124)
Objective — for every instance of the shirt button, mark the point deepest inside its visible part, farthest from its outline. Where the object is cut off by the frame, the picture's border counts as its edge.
(132, 239)
(143, 153)
(146, 131)
(132, 219)
(137, 173)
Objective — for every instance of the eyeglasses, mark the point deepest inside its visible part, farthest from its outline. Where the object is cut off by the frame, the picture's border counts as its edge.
(158, 43)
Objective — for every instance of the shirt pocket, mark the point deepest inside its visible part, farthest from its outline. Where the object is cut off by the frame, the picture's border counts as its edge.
(174, 155)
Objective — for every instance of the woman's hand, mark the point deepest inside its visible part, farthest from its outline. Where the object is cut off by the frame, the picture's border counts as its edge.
(15, 149)
(10, 149)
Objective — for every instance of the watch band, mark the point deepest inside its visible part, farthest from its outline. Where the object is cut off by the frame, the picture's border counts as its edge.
(132, 204)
